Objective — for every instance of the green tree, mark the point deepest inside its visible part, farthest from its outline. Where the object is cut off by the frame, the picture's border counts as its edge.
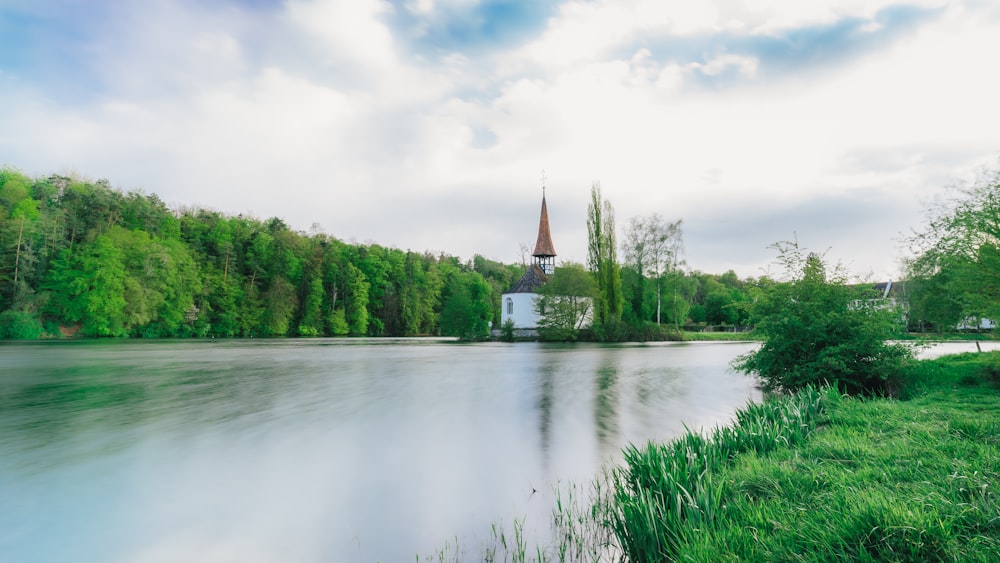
(420, 294)
(88, 288)
(652, 248)
(20, 325)
(959, 250)
(19, 214)
(932, 302)
(681, 290)
(311, 323)
(565, 303)
(356, 288)
(818, 329)
(500, 277)
(602, 259)
(161, 283)
(279, 306)
(467, 307)
(222, 303)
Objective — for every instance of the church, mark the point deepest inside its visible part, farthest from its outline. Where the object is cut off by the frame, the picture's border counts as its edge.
(518, 303)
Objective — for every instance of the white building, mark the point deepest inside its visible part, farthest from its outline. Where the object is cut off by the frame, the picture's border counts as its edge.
(518, 304)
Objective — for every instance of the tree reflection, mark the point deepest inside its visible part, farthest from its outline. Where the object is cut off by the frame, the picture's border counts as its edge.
(606, 402)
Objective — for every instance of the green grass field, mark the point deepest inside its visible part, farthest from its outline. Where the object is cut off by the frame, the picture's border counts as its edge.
(879, 480)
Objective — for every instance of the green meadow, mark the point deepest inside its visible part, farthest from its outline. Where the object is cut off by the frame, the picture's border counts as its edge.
(910, 479)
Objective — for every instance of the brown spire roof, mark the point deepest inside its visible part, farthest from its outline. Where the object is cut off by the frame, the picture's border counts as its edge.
(544, 248)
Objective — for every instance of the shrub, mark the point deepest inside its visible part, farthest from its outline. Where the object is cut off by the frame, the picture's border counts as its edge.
(819, 330)
(507, 331)
(20, 325)
(611, 331)
(652, 332)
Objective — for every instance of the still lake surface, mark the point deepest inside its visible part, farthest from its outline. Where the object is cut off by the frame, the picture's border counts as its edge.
(322, 450)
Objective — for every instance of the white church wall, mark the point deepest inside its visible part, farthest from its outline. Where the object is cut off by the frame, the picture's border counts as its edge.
(519, 307)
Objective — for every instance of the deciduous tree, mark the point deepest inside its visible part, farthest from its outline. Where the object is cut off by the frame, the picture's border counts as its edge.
(566, 302)
(602, 259)
(959, 249)
(467, 307)
(652, 247)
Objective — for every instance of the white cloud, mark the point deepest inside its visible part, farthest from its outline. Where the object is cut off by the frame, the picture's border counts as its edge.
(747, 66)
(351, 32)
(323, 116)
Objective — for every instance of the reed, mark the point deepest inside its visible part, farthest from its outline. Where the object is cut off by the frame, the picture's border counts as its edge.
(668, 493)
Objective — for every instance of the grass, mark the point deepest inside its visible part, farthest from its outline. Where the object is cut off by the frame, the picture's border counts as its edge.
(920, 337)
(669, 495)
(720, 336)
(812, 477)
(954, 335)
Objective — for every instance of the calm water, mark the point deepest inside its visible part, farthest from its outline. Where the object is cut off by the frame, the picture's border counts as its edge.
(321, 450)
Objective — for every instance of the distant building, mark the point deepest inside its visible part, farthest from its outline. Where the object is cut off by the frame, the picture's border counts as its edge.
(889, 295)
(518, 303)
(972, 323)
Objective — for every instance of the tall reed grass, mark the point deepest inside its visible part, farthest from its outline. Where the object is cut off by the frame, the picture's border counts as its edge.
(667, 492)
(663, 494)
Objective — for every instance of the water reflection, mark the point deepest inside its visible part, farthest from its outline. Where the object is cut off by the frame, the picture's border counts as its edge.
(606, 404)
(547, 374)
(320, 450)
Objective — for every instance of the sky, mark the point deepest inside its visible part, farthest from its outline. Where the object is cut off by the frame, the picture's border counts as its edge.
(431, 125)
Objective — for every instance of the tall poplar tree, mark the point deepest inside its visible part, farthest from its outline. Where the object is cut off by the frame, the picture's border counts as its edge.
(602, 258)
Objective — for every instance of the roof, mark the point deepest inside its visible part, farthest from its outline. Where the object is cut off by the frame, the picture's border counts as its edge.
(544, 248)
(890, 288)
(532, 279)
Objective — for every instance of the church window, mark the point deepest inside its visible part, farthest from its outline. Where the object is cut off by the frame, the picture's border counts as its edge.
(510, 306)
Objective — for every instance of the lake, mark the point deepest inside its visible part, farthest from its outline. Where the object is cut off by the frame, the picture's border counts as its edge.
(322, 449)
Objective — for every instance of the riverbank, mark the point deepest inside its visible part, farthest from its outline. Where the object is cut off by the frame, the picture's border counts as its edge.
(884, 479)
(816, 477)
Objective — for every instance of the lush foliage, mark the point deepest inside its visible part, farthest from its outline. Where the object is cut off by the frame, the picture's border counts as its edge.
(820, 330)
(19, 325)
(566, 303)
(79, 257)
(467, 307)
(652, 248)
(721, 300)
(955, 273)
(602, 259)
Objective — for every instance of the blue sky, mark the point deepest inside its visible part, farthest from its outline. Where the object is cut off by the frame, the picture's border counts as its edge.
(426, 124)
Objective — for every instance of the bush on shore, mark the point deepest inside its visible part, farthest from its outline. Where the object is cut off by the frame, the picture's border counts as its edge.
(818, 330)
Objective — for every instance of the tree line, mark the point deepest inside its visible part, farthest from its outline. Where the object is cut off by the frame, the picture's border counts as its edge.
(79, 257)
(82, 258)
(952, 275)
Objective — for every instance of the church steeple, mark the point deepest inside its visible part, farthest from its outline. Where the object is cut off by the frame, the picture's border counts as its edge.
(545, 252)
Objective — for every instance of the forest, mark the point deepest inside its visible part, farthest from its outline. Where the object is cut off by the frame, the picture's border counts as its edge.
(83, 258)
